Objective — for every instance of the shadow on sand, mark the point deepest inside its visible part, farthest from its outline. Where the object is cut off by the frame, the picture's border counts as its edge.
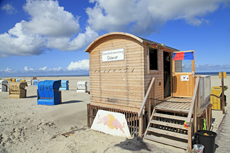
(31, 96)
(216, 146)
(71, 101)
(135, 144)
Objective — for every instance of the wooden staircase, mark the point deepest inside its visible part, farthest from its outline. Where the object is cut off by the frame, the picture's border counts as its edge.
(167, 127)
(166, 123)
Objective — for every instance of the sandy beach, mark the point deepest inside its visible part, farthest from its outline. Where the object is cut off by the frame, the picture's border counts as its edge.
(28, 127)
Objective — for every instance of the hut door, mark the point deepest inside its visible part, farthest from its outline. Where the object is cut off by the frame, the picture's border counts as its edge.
(167, 75)
(183, 76)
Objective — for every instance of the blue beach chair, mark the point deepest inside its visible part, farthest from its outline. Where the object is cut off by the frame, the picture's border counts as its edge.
(48, 93)
(64, 85)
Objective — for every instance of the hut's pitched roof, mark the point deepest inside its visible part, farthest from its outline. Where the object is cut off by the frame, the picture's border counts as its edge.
(141, 40)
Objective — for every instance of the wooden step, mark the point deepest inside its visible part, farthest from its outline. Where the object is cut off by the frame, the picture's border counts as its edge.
(170, 116)
(172, 110)
(169, 133)
(178, 126)
(167, 141)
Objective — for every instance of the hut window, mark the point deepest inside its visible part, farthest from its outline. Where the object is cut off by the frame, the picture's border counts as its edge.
(153, 60)
(183, 66)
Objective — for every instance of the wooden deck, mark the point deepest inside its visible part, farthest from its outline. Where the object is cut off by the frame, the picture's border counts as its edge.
(175, 105)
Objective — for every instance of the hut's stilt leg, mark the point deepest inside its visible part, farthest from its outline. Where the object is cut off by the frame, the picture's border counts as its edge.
(91, 116)
(88, 123)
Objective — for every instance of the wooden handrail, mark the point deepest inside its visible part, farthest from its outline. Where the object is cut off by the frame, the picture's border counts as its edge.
(194, 97)
(146, 96)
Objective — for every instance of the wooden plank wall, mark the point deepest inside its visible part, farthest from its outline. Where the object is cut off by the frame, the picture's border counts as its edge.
(114, 84)
(158, 92)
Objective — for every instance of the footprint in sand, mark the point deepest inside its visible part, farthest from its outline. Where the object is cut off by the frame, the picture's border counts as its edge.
(42, 126)
(15, 136)
(4, 119)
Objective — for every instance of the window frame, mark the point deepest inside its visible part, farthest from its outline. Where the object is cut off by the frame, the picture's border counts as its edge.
(153, 71)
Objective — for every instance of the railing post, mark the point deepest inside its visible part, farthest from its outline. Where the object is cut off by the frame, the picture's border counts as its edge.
(192, 110)
(207, 119)
(190, 138)
(222, 99)
(146, 96)
(193, 101)
(141, 112)
(210, 116)
(149, 109)
(195, 115)
(141, 125)
(197, 104)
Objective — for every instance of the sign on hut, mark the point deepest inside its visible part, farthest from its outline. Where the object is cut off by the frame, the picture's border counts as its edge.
(143, 80)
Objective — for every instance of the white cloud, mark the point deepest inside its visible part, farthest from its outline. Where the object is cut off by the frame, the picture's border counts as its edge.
(8, 70)
(27, 69)
(50, 26)
(43, 68)
(206, 68)
(79, 65)
(9, 8)
(82, 67)
(56, 69)
(50, 19)
(147, 15)
(78, 42)
(15, 42)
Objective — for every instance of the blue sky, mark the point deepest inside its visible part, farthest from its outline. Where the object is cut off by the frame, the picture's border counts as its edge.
(45, 37)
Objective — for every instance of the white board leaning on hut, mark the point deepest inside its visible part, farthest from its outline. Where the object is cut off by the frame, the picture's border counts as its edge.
(111, 123)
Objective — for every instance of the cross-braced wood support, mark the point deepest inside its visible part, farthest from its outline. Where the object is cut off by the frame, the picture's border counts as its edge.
(133, 121)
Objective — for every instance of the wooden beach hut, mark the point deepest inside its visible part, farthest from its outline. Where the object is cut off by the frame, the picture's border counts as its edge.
(141, 79)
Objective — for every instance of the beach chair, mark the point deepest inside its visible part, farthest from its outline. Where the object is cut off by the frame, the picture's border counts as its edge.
(35, 82)
(22, 80)
(48, 92)
(9, 79)
(82, 86)
(29, 82)
(17, 90)
(3, 86)
(13, 80)
(18, 80)
(64, 85)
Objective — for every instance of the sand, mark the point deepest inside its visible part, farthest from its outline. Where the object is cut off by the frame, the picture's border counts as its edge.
(28, 127)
